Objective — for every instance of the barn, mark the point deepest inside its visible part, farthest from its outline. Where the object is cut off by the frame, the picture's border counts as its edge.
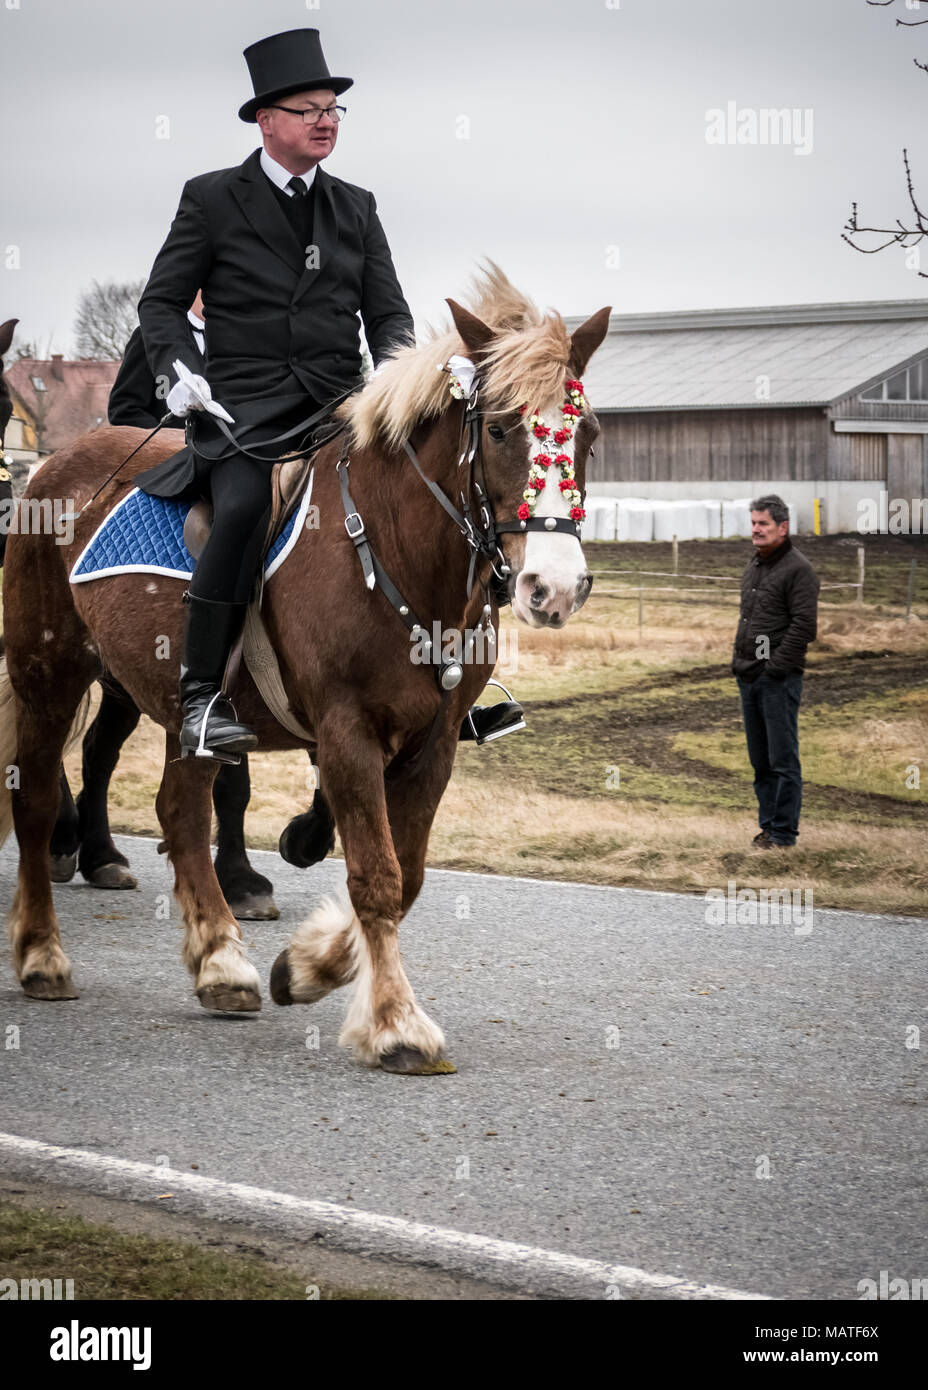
(812, 401)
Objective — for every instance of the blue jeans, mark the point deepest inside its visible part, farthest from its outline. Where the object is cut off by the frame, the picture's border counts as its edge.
(771, 713)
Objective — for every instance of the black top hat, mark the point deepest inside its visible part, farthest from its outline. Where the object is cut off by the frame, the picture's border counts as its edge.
(285, 63)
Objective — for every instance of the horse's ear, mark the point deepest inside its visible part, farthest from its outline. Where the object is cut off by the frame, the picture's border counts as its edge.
(586, 339)
(6, 335)
(475, 333)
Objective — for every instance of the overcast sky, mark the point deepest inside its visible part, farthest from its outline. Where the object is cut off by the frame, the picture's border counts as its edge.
(586, 171)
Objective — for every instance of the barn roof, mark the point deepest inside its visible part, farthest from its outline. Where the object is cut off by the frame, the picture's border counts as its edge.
(812, 354)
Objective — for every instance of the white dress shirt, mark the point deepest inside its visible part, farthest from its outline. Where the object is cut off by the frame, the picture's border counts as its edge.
(198, 326)
(281, 176)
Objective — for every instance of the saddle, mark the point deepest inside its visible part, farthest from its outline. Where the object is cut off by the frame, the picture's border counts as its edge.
(288, 483)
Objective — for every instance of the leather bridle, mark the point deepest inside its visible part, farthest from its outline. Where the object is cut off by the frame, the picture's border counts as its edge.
(482, 534)
(479, 527)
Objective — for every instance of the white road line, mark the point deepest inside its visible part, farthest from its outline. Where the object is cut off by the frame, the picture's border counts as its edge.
(525, 1267)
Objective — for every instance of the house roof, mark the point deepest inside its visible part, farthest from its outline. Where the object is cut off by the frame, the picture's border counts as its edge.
(74, 399)
(811, 354)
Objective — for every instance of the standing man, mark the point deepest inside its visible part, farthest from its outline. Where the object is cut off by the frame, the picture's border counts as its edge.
(287, 258)
(779, 604)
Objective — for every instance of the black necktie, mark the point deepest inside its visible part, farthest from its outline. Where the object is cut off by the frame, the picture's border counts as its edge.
(299, 187)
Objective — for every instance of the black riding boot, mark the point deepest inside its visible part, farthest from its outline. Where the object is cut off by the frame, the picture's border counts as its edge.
(210, 728)
(487, 722)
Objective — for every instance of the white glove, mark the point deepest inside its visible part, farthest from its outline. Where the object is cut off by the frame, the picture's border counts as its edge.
(186, 396)
(192, 393)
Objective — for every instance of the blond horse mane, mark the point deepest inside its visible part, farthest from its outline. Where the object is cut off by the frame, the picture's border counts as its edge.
(526, 362)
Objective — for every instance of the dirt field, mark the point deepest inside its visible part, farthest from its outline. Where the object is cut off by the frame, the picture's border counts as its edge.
(633, 769)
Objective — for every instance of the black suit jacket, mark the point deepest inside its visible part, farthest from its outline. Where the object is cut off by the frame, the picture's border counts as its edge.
(278, 330)
(134, 398)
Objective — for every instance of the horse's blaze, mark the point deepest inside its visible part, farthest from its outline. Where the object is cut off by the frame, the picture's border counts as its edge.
(551, 583)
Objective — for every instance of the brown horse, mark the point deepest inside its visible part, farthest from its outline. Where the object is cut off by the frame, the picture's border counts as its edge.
(385, 732)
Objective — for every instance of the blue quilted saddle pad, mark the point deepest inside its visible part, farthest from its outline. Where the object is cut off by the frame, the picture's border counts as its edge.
(144, 534)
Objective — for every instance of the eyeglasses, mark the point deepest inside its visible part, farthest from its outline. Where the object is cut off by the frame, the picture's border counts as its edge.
(312, 114)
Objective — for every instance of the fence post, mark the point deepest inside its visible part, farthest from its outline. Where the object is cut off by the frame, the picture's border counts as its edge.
(908, 602)
(676, 556)
(860, 574)
(640, 603)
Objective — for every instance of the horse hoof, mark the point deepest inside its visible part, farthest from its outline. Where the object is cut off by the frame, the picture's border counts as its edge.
(229, 999)
(409, 1061)
(112, 876)
(62, 867)
(280, 979)
(49, 987)
(254, 907)
(307, 840)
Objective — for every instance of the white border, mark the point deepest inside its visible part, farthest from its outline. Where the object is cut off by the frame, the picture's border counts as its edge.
(75, 578)
(298, 524)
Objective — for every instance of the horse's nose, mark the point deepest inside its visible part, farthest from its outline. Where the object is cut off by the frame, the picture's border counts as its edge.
(539, 595)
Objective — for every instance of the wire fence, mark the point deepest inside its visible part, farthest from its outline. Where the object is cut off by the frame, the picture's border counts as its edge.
(635, 591)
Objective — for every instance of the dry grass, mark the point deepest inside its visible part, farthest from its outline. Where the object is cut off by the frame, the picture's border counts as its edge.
(658, 829)
(684, 814)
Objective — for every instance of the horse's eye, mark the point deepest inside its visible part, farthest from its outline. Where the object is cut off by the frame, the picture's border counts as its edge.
(495, 432)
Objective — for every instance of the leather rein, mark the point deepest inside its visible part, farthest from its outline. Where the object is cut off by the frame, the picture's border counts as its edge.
(479, 528)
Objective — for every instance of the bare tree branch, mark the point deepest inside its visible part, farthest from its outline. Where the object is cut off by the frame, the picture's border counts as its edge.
(106, 319)
(898, 235)
(906, 23)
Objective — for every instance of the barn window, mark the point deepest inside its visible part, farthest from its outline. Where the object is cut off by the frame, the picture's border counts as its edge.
(38, 383)
(911, 384)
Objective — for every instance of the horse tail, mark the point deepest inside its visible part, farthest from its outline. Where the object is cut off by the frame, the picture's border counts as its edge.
(9, 741)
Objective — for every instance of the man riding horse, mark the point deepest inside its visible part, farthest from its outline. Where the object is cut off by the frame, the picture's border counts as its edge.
(287, 257)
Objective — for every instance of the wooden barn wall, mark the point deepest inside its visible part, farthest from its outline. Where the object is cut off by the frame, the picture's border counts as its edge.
(857, 457)
(853, 408)
(710, 445)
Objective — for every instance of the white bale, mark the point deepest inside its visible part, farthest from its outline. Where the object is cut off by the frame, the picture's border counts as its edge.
(691, 522)
(681, 518)
(660, 508)
(607, 518)
(736, 517)
(713, 508)
(599, 524)
(635, 519)
(589, 522)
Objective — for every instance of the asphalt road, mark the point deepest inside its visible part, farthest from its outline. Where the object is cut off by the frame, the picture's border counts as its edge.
(733, 1104)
